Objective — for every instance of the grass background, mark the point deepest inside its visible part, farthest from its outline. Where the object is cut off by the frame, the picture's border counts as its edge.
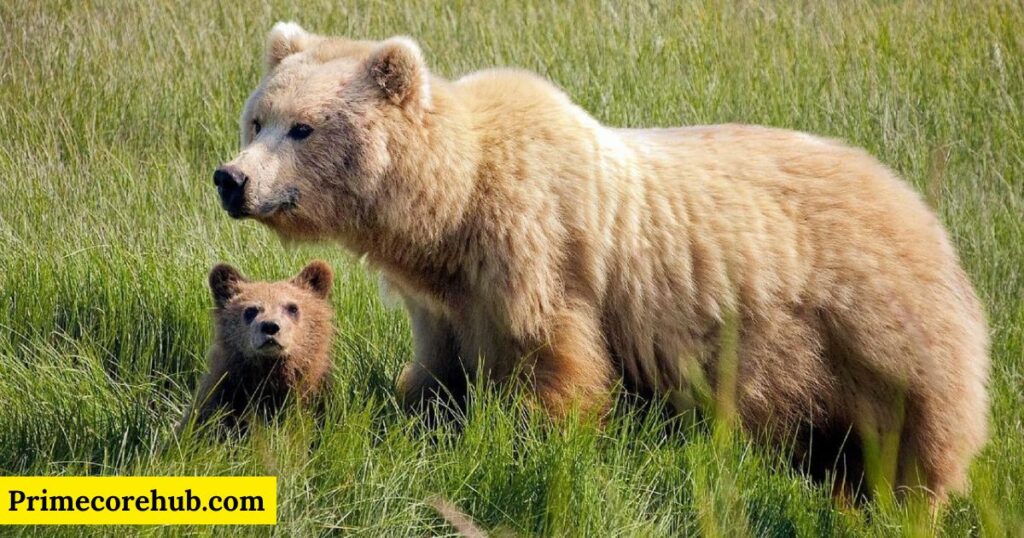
(113, 116)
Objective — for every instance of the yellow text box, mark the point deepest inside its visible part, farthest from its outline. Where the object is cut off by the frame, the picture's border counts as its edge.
(138, 500)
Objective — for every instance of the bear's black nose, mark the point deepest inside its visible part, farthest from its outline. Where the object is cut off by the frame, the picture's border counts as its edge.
(269, 327)
(230, 183)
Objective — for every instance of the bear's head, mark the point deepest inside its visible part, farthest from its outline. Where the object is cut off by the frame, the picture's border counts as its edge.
(322, 132)
(272, 320)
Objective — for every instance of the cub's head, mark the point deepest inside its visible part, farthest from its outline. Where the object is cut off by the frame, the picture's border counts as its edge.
(273, 319)
(319, 132)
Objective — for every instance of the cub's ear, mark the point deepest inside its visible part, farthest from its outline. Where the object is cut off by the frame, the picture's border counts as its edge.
(224, 281)
(397, 68)
(285, 39)
(316, 277)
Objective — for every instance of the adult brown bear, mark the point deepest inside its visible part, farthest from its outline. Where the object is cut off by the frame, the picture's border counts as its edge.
(526, 237)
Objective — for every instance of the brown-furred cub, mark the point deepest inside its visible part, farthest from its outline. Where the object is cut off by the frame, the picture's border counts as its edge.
(271, 341)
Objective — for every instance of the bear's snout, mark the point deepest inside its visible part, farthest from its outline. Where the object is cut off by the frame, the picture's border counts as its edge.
(269, 327)
(268, 339)
(230, 182)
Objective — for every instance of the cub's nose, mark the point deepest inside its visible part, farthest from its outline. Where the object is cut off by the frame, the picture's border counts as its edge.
(230, 183)
(269, 327)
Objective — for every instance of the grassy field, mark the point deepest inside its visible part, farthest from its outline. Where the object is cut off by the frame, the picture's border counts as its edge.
(114, 115)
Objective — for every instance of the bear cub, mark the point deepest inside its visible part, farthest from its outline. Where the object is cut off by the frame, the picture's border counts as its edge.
(271, 342)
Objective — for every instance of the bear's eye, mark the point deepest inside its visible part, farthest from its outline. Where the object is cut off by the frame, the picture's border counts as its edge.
(256, 126)
(250, 314)
(292, 309)
(300, 131)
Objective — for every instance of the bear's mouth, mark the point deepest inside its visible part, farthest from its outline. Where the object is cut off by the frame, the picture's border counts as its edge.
(285, 201)
(270, 343)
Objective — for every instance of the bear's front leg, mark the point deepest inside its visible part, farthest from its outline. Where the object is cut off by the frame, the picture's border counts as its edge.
(573, 369)
(436, 370)
(208, 399)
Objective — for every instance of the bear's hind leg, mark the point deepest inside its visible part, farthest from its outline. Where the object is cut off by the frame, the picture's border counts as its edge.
(937, 444)
(913, 389)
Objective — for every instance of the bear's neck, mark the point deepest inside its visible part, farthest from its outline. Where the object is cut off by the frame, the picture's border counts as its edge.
(420, 237)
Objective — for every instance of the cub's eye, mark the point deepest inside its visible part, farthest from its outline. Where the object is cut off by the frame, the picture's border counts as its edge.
(292, 309)
(256, 126)
(300, 131)
(250, 314)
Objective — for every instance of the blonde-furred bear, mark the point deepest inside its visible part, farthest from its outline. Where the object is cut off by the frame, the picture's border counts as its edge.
(272, 343)
(527, 240)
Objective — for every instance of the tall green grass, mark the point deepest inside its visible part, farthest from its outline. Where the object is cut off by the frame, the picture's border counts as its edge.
(113, 116)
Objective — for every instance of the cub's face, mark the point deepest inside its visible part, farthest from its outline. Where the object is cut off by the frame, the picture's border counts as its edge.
(271, 319)
(315, 133)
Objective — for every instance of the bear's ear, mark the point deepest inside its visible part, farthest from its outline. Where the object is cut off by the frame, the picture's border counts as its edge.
(397, 69)
(316, 277)
(285, 39)
(224, 281)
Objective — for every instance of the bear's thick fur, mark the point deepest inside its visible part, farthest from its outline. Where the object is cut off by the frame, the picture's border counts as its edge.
(526, 237)
(272, 341)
